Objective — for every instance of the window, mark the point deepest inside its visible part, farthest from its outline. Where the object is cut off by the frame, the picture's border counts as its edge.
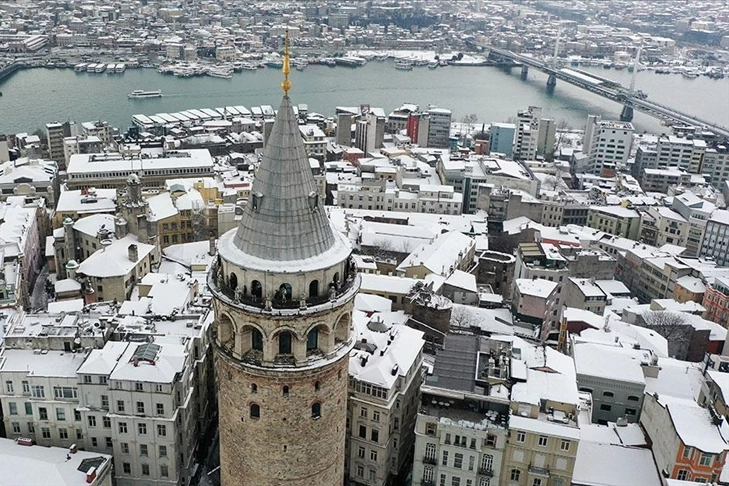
(455, 481)
(487, 462)
(106, 422)
(484, 481)
(255, 411)
(162, 451)
(284, 343)
(161, 430)
(471, 462)
(706, 459)
(28, 408)
(373, 455)
(122, 427)
(363, 432)
(375, 435)
(316, 410)
(26, 387)
(285, 390)
(125, 448)
(361, 452)
(65, 392)
(254, 388)
(145, 469)
(605, 407)
(109, 443)
(537, 482)
(158, 388)
(13, 408)
(565, 445)
(363, 412)
(376, 416)
(520, 436)
(444, 460)
(63, 433)
(543, 441)
(9, 386)
(608, 394)
(631, 411)
(317, 386)
(38, 391)
(143, 450)
(160, 409)
(164, 471)
(442, 480)
(77, 416)
(140, 407)
(45, 432)
(127, 468)
(458, 460)
(16, 427)
(256, 340)
(515, 475)
(92, 420)
(105, 402)
(683, 475)
(120, 406)
(139, 386)
(142, 429)
(687, 451)
(633, 398)
(60, 414)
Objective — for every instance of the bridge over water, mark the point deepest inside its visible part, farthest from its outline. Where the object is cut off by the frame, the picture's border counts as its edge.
(607, 89)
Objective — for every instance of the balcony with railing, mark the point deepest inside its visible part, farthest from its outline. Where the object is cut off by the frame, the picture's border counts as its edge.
(430, 460)
(281, 303)
(486, 471)
(538, 470)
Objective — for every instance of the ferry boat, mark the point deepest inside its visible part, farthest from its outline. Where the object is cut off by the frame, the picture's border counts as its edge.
(220, 73)
(81, 67)
(140, 93)
(111, 68)
(120, 67)
(404, 66)
(248, 66)
(91, 67)
(100, 68)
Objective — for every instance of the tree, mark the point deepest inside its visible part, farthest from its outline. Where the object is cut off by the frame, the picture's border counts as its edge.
(462, 316)
(467, 120)
(554, 182)
(562, 129)
(672, 326)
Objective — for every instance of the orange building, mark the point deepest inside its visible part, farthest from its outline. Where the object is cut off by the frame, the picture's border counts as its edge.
(716, 301)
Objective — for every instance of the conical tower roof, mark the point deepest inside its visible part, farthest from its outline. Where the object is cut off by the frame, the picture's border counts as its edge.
(284, 219)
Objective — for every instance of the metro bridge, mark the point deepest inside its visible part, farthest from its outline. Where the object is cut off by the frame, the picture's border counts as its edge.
(607, 89)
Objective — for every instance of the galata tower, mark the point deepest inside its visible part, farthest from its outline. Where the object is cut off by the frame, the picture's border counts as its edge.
(284, 287)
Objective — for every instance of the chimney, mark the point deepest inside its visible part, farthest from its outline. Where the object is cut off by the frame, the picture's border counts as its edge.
(133, 253)
(211, 246)
(91, 475)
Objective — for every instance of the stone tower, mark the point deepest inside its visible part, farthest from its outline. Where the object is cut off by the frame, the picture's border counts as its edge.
(284, 287)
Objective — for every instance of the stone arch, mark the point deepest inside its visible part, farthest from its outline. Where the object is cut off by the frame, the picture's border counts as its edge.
(251, 334)
(285, 342)
(318, 338)
(313, 288)
(256, 289)
(233, 281)
(226, 331)
(341, 329)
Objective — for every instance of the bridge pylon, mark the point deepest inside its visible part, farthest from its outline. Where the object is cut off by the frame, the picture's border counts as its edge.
(627, 114)
(524, 71)
(552, 80)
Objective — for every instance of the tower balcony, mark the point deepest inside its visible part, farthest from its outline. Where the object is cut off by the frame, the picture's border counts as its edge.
(281, 304)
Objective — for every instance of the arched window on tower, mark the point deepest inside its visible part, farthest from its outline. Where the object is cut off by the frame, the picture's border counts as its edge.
(312, 340)
(256, 289)
(254, 388)
(256, 340)
(233, 281)
(316, 410)
(255, 411)
(335, 281)
(313, 288)
(284, 343)
(285, 390)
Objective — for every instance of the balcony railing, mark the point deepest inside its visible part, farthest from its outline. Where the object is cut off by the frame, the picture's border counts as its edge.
(429, 460)
(486, 471)
(427, 482)
(217, 284)
(542, 471)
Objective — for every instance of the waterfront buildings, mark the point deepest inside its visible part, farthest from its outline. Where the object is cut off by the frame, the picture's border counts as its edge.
(716, 238)
(501, 138)
(607, 145)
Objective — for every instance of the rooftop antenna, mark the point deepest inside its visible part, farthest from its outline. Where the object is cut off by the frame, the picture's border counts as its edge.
(286, 84)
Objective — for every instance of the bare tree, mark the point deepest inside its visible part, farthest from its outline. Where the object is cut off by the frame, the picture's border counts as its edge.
(467, 120)
(462, 316)
(562, 129)
(672, 326)
(554, 182)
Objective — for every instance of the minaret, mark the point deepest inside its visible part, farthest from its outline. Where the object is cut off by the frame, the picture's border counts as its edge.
(284, 287)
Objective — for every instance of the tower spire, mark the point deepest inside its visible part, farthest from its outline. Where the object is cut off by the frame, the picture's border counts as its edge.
(286, 84)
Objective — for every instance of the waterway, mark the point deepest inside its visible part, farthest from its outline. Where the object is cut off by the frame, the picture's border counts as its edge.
(33, 97)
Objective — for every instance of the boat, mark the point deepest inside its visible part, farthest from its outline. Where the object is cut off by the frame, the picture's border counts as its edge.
(404, 66)
(120, 67)
(100, 68)
(607, 65)
(690, 73)
(433, 65)
(81, 67)
(91, 67)
(248, 66)
(223, 73)
(140, 93)
(620, 65)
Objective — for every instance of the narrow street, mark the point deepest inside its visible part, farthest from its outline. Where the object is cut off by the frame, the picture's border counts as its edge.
(39, 297)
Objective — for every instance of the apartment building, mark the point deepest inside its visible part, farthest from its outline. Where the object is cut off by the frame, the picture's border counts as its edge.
(385, 372)
(661, 225)
(55, 134)
(501, 138)
(381, 195)
(715, 166)
(716, 238)
(607, 145)
(536, 302)
(527, 133)
(462, 427)
(687, 442)
(585, 294)
(660, 180)
(615, 220)
(315, 141)
(697, 212)
(670, 152)
(716, 301)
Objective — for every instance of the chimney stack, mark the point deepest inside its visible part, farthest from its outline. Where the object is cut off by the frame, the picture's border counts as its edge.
(133, 253)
